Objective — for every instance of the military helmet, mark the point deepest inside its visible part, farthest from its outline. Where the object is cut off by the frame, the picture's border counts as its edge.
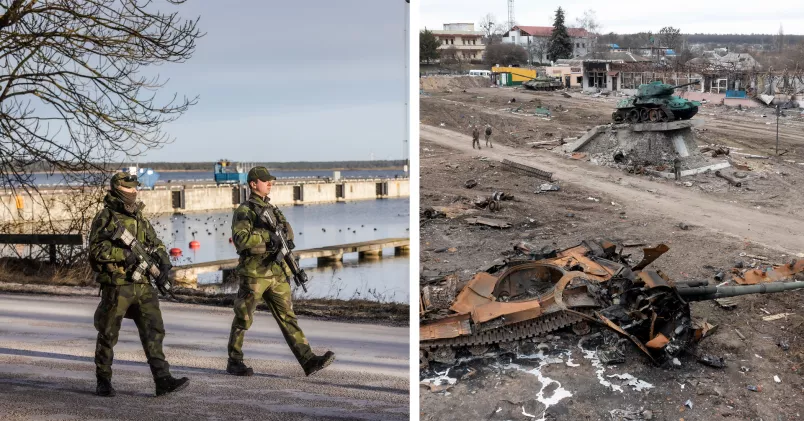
(124, 180)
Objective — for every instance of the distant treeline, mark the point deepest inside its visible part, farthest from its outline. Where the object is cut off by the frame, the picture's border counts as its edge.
(742, 39)
(300, 165)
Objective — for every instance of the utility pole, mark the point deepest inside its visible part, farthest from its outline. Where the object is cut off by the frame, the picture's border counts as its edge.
(778, 111)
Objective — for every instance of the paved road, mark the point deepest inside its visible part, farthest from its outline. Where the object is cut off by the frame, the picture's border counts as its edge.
(47, 370)
(778, 232)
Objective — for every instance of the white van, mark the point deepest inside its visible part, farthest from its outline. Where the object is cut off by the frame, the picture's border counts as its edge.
(485, 73)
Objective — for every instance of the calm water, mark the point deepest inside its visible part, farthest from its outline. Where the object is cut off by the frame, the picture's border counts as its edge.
(314, 226)
(207, 176)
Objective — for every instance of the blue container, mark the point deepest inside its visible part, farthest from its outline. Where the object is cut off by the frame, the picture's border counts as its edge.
(147, 177)
(735, 94)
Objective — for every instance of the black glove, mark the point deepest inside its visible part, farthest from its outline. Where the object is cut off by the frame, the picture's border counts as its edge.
(273, 241)
(291, 244)
(131, 258)
(163, 282)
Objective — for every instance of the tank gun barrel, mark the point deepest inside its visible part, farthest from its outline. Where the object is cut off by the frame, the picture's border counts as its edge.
(703, 293)
(687, 84)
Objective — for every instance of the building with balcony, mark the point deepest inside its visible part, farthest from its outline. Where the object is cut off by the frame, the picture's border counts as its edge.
(462, 37)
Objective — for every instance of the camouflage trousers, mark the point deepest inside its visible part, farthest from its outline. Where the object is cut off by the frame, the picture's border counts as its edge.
(276, 293)
(140, 303)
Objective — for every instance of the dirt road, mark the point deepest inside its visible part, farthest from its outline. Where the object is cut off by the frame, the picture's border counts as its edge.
(47, 370)
(775, 231)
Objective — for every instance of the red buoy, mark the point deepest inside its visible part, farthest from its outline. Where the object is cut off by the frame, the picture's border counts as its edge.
(175, 252)
(195, 245)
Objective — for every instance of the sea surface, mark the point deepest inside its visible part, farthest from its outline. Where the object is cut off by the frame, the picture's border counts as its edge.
(49, 180)
(319, 225)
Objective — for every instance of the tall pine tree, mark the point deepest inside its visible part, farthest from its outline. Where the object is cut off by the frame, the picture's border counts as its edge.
(428, 46)
(560, 41)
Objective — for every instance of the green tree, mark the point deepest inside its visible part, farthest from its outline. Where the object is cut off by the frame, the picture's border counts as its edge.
(505, 54)
(428, 46)
(560, 41)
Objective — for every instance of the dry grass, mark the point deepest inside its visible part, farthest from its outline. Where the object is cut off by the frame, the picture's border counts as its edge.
(30, 271)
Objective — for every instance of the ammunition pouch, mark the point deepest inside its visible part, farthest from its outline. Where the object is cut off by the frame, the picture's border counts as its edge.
(256, 251)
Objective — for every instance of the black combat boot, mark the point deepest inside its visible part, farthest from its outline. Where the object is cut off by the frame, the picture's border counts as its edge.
(237, 368)
(318, 363)
(105, 388)
(170, 384)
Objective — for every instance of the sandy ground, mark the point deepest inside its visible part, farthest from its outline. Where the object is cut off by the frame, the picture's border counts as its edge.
(553, 378)
(47, 370)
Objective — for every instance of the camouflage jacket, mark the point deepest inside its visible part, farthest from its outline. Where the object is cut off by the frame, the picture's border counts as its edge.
(105, 256)
(250, 236)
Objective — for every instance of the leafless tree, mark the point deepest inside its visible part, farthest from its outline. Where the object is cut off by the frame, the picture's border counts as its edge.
(780, 39)
(493, 30)
(537, 49)
(592, 25)
(72, 97)
(670, 37)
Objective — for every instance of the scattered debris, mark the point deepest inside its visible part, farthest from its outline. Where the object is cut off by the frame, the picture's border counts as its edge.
(777, 317)
(716, 150)
(470, 184)
(727, 303)
(683, 226)
(767, 274)
(712, 361)
(529, 169)
(777, 379)
(430, 212)
(545, 187)
(739, 334)
(654, 313)
(731, 181)
(754, 388)
(495, 223)
(633, 243)
(688, 403)
(785, 345)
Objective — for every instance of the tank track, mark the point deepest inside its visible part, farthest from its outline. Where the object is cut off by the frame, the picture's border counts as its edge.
(518, 331)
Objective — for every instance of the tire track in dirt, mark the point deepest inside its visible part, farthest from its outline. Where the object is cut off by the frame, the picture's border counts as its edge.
(778, 232)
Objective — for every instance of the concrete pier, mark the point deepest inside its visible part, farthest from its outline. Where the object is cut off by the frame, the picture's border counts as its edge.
(187, 275)
(60, 204)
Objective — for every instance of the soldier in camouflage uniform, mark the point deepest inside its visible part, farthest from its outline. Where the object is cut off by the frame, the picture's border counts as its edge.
(121, 297)
(261, 277)
(488, 136)
(475, 137)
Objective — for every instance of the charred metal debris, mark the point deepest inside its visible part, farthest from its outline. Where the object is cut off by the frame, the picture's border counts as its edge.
(538, 291)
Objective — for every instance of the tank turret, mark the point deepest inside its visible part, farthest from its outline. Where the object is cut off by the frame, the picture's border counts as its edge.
(655, 102)
(542, 82)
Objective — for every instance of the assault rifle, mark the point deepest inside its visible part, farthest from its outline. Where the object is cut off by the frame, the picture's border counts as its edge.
(266, 215)
(146, 267)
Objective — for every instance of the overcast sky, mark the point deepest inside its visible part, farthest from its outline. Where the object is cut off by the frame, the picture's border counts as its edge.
(630, 16)
(291, 81)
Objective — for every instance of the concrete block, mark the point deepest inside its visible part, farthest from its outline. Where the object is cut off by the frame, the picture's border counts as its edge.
(670, 125)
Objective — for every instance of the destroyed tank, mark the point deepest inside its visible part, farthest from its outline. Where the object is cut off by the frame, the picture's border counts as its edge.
(588, 284)
(655, 102)
(542, 82)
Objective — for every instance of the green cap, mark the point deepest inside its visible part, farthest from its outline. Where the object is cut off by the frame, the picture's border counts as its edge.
(259, 173)
(124, 180)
